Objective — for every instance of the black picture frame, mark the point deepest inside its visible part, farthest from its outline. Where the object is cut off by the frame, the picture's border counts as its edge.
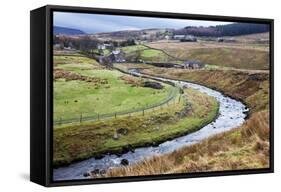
(41, 104)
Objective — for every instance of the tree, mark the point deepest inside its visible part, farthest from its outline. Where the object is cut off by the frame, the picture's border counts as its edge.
(88, 44)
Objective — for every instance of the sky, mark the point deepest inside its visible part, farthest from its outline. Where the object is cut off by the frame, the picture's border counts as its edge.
(93, 23)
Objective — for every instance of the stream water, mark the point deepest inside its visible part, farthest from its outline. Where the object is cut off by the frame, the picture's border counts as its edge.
(232, 114)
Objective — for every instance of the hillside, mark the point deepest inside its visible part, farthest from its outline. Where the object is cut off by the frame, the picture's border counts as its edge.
(67, 31)
(234, 29)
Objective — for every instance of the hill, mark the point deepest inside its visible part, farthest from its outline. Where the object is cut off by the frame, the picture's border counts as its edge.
(67, 31)
(233, 29)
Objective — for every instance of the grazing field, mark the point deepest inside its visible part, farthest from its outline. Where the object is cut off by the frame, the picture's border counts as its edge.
(258, 38)
(232, 57)
(92, 139)
(246, 147)
(236, 55)
(87, 89)
(133, 48)
(147, 54)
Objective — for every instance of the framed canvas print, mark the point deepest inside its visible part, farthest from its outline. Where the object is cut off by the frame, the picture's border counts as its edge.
(122, 95)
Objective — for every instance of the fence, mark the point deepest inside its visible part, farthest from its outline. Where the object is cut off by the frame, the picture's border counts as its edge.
(84, 116)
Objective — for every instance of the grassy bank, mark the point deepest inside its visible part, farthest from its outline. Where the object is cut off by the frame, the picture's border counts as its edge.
(249, 86)
(93, 139)
(246, 147)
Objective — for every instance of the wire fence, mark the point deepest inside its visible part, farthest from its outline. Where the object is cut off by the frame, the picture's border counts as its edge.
(95, 116)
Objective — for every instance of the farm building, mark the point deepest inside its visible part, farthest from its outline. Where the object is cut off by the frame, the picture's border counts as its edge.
(226, 40)
(101, 46)
(193, 64)
(105, 46)
(185, 38)
(178, 37)
(58, 46)
(118, 55)
(115, 56)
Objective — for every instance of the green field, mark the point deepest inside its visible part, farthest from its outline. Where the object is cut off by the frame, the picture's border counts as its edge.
(133, 48)
(76, 97)
(148, 54)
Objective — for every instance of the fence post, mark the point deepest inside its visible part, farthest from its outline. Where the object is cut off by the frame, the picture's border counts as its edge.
(115, 115)
(81, 118)
(60, 122)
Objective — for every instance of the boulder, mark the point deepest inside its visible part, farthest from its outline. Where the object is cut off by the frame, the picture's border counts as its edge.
(153, 84)
(115, 136)
(124, 162)
(86, 174)
(122, 131)
(95, 171)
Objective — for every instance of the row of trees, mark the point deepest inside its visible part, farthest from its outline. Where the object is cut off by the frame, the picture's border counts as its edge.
(87, 43)
(83, 43)
(224, 30)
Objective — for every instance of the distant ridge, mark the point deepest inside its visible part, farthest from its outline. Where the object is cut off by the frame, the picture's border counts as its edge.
(67, 31)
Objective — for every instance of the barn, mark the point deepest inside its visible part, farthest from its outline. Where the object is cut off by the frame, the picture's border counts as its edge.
(193, 64)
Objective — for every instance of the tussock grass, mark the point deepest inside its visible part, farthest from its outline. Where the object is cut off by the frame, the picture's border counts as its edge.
(249, 86)
(237, 55)
(246, 147)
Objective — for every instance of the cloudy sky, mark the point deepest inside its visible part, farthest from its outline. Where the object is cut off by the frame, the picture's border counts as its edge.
(92, 23)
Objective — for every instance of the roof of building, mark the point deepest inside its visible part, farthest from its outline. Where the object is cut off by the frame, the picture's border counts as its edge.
(193, 62)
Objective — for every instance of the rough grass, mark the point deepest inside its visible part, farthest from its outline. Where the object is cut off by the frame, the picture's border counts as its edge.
(83, 63)
(81, 141)
(232, 57)
(236, 55)
(246, 147)
(253, 38)
(127, 66)
(249, 86)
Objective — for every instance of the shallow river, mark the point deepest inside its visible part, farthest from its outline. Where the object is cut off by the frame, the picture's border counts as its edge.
(232, 113)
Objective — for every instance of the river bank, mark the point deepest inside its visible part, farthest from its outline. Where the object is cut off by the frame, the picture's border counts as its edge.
(232, 114)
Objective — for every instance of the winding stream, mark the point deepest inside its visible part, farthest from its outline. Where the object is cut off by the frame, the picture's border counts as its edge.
(232, 114)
